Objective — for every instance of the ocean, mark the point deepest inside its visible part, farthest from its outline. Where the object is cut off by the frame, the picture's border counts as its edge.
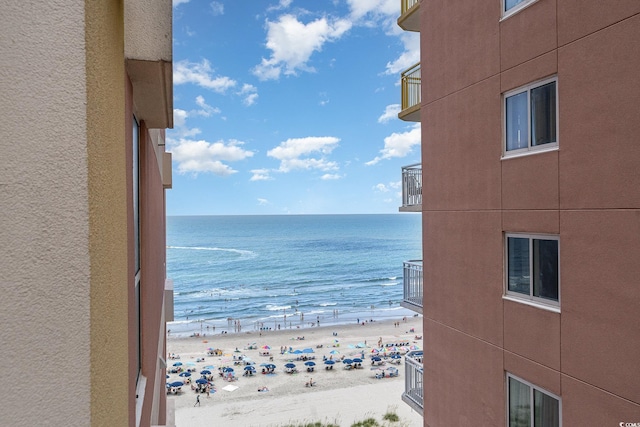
(287, 271)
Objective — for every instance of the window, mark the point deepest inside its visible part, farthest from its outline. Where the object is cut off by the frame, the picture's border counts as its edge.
(509, 7)
(532, 267)
(530, 118)
(530, 406)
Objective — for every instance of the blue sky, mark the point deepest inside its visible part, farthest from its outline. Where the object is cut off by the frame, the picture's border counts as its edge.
(289, 107)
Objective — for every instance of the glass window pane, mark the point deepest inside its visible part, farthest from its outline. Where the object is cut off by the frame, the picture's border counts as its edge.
(518, 265)
(516, 122)
(543, 114)
(519, 404)
(546, 410)
(136, 193)
(545, 269)
(509, 4)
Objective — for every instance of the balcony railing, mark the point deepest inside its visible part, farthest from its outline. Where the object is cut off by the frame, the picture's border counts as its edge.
(412, 188)
(409, 19)
(413, 388)
(412, 285)
(410, 85)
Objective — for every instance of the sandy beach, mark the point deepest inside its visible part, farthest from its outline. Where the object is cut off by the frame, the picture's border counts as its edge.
(338, 395)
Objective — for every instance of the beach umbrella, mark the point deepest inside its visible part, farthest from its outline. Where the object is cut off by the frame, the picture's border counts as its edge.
(185, 374)
(265, 347)
(334, 352)
(290, 365)
(177, 384)
(396, 356)
(357, 360)
(201, 381)
(310, 363)
(270, 366)
(249, 368)
(167, 376)
(205, 372)
(329, 362)
(376, 359)
(226, 369)
(177, 364)
(347, 361)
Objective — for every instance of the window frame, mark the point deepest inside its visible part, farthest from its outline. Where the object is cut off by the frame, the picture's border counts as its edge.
(532, 387)
(530, 149)
(530, 299)
(515, 9)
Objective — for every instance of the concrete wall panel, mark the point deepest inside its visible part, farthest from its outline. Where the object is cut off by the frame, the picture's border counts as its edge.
(600, 299)
(579, 18)
(531, 182)
(463, 272)
(528, 34)
(458, 52)
(461, 150)
(538, 68)
(532, 333)
(599, 119)
(471, 390)
(531, 221)
(585, 405)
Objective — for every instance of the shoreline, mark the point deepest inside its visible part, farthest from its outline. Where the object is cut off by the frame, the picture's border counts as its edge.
(215, 327)
(339, 394)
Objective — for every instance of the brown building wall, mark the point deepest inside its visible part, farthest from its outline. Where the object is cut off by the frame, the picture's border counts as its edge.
(586, 192)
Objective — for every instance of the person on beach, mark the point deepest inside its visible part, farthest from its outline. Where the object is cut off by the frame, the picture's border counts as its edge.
(197, 401)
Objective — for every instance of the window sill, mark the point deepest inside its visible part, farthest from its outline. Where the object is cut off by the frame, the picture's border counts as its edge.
(536, 304)
(555, 147)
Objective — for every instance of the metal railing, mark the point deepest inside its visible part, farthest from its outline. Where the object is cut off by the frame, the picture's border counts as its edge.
(413, 387)
(412, 285)
(412, 185)
(405, 5)
(410, 83)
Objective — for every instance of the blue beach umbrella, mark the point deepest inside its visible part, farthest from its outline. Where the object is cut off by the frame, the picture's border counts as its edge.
(329, 362)
(177, 384)
(205, 372)
(227, 369)
(347, 361)
(396, 356)
(249, 368)
(201, 381)
(290, 365)
(376, 359)
(185, 374)
(177, 364)
(357, 360)
(310, 363)
(270, 366)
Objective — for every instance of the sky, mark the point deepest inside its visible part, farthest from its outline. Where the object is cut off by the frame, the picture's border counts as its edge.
(289, 107)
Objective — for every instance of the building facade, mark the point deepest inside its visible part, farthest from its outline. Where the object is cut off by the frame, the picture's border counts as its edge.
(531, 210)
(86, 96)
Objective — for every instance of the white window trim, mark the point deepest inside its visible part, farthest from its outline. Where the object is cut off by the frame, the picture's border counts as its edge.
(515, 9)
(552, 146)
(533, 387)
(530, 299)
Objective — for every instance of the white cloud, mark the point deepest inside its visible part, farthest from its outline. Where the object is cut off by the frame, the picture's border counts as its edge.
(399, 144)
(330, 176)
(293, 153)
(202, 156)
(217, 8)
(409, 57)
(283, 4)
(381, 188)
(263, 202)
(201, 75)
(292, 43)
(177, 3)
(390, 113)
(261, 175)
(180, 129)
(205, 109)
(250, 94)
(374, 8)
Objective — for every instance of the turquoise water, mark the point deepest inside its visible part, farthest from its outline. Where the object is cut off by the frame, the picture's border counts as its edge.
(309, 268)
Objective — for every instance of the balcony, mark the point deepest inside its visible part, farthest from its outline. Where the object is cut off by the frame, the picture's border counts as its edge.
(413, 391)
(410, 85)
(409, 19)
(412, 285)
(412, 188)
